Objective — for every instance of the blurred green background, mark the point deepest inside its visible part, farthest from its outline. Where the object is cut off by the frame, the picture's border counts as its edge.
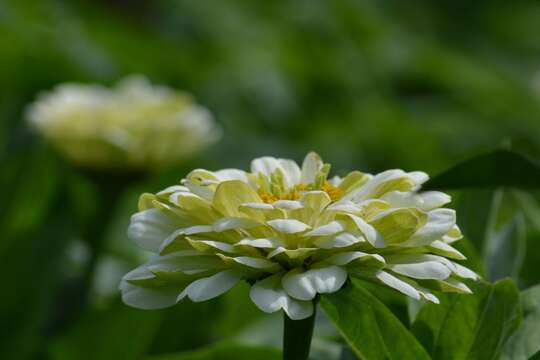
(367, 84)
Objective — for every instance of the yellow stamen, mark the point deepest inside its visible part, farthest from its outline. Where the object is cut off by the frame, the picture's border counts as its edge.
(268, 197)
(334, 192)
(295, 193)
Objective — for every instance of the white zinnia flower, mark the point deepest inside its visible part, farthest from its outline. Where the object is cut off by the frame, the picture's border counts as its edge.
(135, 124)
(292, 234)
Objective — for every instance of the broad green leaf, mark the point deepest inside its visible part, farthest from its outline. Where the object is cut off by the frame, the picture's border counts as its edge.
(506, 237)
(369, 326)
(526, 340)
(494, 169)
(529, 274)
(470, 326)
(225, 351)
(473, 207)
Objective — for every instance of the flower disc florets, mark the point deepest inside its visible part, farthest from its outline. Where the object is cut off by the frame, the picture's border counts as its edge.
(132, 125)
(292, 233)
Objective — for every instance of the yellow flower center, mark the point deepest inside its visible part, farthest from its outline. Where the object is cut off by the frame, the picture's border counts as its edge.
(333, 191)
(294, 194)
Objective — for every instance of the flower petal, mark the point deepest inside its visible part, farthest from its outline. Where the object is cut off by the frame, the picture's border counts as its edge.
(147, 298)
(265, 243)
(230, 223)
(426, 201)
(231, 174)
(149, 228)
(441, 248)
(439, 223)
(211, 287)
(316, 200)
(144, 297)
(422, 270)
(397, 284)
(270, 297)
(310, 168)
(371, 234)
(288, 226)
(346, 258)
(287, 204)
(341, 240)
(331, 228)
(231, 194)
(252, 263)
(305, 285)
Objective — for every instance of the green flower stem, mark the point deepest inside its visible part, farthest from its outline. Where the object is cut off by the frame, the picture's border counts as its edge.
(297, 336)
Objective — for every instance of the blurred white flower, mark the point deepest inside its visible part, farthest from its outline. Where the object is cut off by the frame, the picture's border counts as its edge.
(292, 234)
(134, 124)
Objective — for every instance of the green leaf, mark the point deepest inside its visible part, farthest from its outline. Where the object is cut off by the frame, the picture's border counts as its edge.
(526, 340)
(494, 169)
(529, 274)
(470, 326)
(225, 351)
(369, 326)
(506, 237)
(473, 207)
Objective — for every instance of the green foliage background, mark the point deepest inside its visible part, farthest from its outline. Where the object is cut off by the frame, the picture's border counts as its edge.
(368, 84)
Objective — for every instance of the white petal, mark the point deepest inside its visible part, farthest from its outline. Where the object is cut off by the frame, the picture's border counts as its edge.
(197, 229)
(258, 206)
(345, 206)
(331, 228)
(418, 177)
(310, 168)
(265, 243)
(287, 204)
(172, 189)
(426, 201)
(442, 248)
(211, 287)
(346, 258)
(270, 297)
(306, 285)
(146, 298)
(231, 174)
(257, 263)
(439, 223)
(463, 272)
(453, 236)
(316, 200)
(291, 171)
(422, 270)
(288, 226)
(299, 253)
(397, 284)
(434, 199)
(218, 245)
(230, 223)
(340, 240)
(265, 165)
(455, 285)
(149, 228)
(368, 190)
(184, 261)
(374, 237)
